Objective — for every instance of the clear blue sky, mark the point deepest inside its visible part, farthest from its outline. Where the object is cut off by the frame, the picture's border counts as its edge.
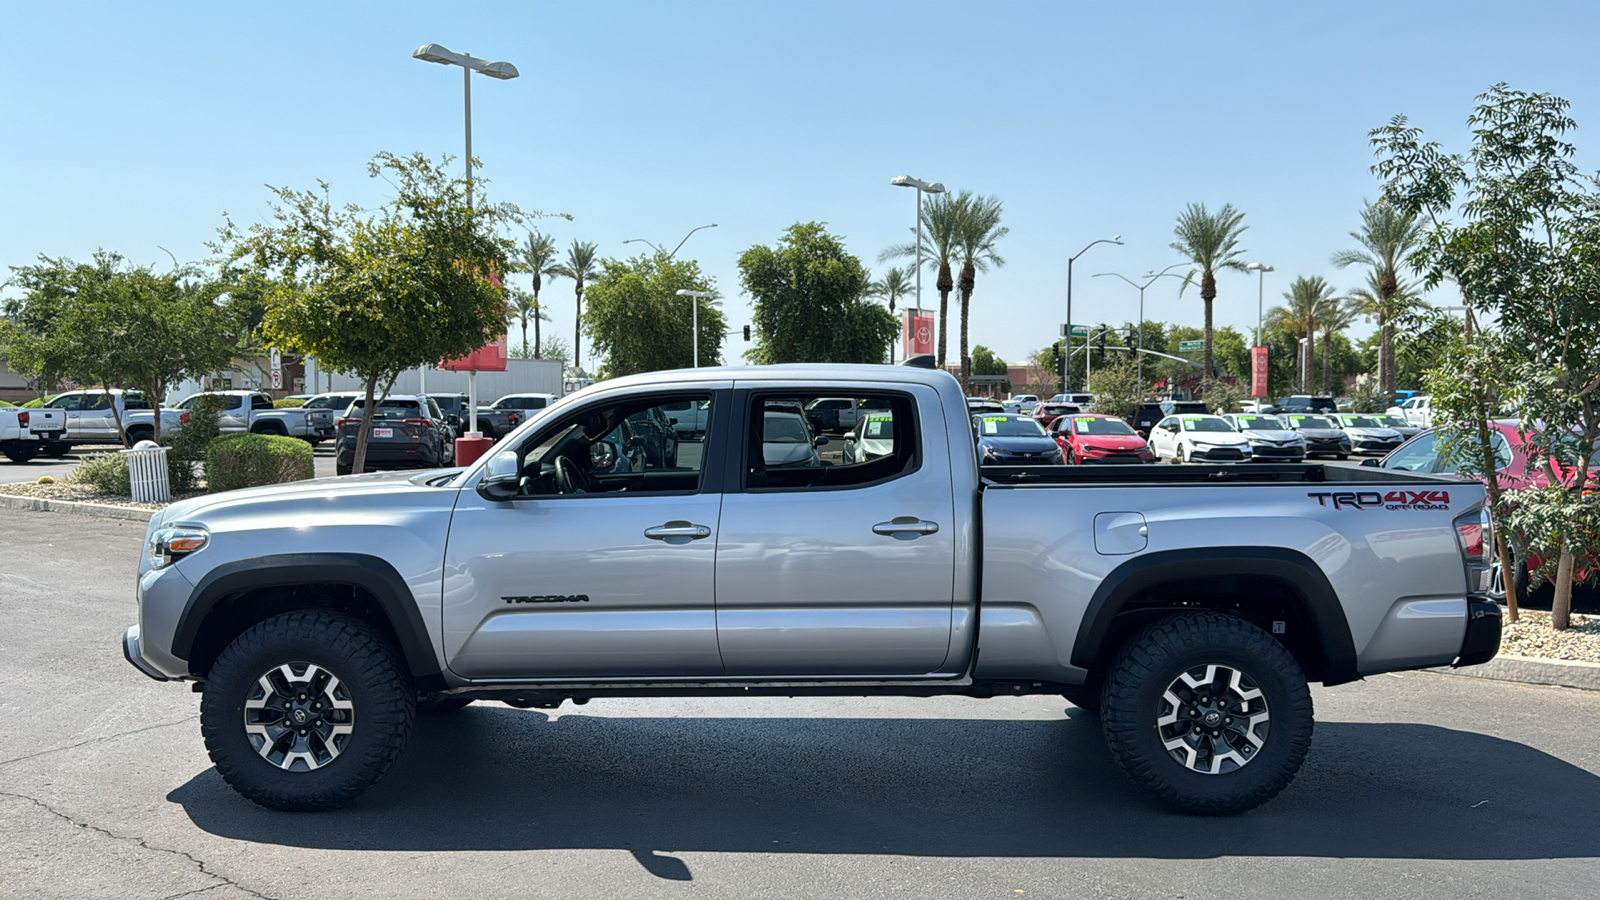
(135, 126)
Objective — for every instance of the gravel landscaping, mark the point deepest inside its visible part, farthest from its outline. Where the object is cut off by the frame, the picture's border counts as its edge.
(71, 490)
(1531, 636)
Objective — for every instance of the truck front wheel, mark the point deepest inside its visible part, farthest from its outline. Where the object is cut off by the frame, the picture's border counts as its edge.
(306, 710)
(1207, 713)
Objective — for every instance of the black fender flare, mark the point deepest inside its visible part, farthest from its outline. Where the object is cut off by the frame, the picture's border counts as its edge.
(370, 573)
(1290, 567)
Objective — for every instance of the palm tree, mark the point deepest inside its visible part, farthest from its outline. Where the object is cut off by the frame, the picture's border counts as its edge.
(1210, 241)
(1310, 298)
(1368, 302)
(980, 230)
(520, 307)
(537, 257)
(580, 267)
(941, 222)
(1387, 236)
(1335, 319)
(894, 284)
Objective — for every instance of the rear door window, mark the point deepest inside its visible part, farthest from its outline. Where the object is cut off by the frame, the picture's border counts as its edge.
(790, 445)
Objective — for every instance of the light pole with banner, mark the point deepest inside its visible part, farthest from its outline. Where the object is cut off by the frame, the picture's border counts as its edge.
(1258, 353)
(922, 187)
(504, 71)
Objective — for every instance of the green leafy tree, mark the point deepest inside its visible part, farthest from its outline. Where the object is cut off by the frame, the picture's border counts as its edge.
(375, 293)
(1388, 235)
(978, 232)
(1117, 389)
(638, 323)
(1527, 251)
(984, 362)
(580, 266)
(537, 257)
(808, 294)
(1210, 241)
(941, 235)
(1221, 396)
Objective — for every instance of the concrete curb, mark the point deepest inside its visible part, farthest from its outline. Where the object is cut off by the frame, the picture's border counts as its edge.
(1584, 676)
(79, 507)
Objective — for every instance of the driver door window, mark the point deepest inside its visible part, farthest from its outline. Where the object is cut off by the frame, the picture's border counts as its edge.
(625, 447)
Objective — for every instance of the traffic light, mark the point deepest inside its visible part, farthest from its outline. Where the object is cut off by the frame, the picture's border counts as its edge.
(1127, 331)
(1102, 341)
(1061, 362)
(747, 332)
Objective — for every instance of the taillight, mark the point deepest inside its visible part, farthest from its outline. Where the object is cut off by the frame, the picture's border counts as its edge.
(1471, 538)
(512, 418)
(309, 418)
(416, 421)
(347, 421)
(183, 418)
(22, 418)
(1475, 535)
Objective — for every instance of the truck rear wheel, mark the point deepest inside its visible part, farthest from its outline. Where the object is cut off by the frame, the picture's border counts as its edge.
(1207, 713)
(306, 710)
(20, 452)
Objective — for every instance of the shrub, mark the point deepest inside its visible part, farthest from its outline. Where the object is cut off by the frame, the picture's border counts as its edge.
(4, 404)
(187, 445)
(45, 479)
(106, 473)
(35, 403)
(244, 460)
(287, 404)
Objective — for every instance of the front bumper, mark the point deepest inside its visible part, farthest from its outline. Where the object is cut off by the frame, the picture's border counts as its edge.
(135, 656)
(1118, 459)
(1482, 640)
(1220, 454)
(1374, 446)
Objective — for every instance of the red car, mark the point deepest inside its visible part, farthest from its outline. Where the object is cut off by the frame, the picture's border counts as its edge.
(1092, 438)
(1045, 413)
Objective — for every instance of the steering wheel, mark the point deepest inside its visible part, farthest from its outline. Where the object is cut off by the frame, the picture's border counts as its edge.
(569, 478)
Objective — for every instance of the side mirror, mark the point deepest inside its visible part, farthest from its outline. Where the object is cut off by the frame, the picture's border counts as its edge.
(603, 454)
(819, 442)
(1370, 462)
(500, 481)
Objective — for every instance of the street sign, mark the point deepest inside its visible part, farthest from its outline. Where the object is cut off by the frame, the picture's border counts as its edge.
(275, 358)
(1077, 330)
(277, 379)
(1191, 346)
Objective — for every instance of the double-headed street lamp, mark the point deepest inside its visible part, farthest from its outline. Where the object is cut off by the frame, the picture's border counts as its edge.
(437, 53)
(694, 320)
(1164, 273)
(674, 249)
(922, 187)
(1067, 369)
(1261, 270)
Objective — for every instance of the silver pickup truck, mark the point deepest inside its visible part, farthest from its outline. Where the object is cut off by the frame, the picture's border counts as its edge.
(1188, 606)
(250, 411)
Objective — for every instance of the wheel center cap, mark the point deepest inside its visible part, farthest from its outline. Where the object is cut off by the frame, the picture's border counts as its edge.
(300, 716)
(1213, 718)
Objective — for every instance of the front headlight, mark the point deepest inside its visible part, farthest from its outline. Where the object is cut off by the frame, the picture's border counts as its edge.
(168, 545)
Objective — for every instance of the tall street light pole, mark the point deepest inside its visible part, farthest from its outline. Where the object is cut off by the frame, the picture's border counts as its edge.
(674, 249)
(1066, 378)
(922, 187)
(1261, 270)
(1164, 273)
(437, 53)
(695, 318)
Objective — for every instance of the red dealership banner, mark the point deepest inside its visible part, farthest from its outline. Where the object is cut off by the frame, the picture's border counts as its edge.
(491, 357)
(1258, 371)
(916, 332)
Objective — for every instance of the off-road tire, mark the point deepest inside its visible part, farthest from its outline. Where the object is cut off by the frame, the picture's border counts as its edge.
(1154, 659)
(369, 669)
(56, 449)
(429, 704)
(21, 454)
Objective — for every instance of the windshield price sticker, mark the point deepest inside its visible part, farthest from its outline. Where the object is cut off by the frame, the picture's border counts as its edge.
(1082, 425)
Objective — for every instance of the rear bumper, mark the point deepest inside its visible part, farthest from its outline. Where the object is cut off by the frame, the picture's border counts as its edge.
(1482, 640)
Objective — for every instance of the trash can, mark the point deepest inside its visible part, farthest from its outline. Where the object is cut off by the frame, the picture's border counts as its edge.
(147, 473)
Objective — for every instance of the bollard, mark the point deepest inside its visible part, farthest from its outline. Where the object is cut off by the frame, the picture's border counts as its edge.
(147, 473)
(468, 449)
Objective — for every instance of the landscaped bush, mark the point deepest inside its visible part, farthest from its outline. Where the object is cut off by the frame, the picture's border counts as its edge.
(106, 473)
(245, 460)
(287, 404)
(35, 403)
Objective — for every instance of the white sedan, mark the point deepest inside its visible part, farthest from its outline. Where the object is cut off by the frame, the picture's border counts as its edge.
(1198, 439)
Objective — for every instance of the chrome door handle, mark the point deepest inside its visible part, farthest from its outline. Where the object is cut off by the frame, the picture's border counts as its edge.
(678, 529)
(906, 525)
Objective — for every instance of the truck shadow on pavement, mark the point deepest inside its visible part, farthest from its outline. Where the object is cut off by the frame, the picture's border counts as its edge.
(493, 778)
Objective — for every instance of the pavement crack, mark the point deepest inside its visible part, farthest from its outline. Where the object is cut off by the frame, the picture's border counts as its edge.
(101, 739)
(193, 892)
(199, 864)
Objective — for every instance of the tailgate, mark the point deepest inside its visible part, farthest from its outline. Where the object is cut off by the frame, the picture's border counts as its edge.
(41, 421)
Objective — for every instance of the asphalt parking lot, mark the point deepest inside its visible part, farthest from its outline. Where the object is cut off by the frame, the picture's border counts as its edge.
(1418, 785)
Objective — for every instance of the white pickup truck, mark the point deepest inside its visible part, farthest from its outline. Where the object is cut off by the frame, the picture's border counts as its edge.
(25, 432)
(250, 411)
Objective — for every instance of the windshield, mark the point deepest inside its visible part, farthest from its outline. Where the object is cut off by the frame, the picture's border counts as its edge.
(1392, 421)
(389, 409)
(1205, 423)
(879, 428)
(1363, 422)
(1010, 426)
(783, 430)
(1259, 423)
(1094, 425)
(1311, 422)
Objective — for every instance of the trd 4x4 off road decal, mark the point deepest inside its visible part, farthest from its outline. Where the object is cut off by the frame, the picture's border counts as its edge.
(1391, 500)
